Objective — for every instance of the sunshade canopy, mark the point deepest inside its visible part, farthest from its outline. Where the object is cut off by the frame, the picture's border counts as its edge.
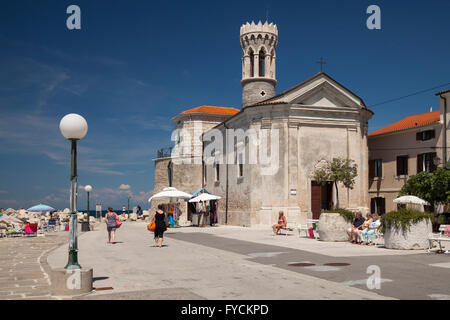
(40, 207)
(170, 192)
(410, 199)
(205, 197)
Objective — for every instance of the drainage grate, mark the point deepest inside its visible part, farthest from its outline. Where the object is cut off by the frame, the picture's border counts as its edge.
(336, 264)
(301, 264)
(103, 288)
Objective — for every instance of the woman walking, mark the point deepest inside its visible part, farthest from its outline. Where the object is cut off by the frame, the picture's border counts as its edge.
(110, 219)
(160, 220)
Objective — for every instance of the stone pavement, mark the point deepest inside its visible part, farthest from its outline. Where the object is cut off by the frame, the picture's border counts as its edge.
(405, 274)
(24, 272)
(183, 269)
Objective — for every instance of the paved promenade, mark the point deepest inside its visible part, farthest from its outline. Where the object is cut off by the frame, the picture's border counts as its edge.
(185, 269)
(24, 272)
(221, 263)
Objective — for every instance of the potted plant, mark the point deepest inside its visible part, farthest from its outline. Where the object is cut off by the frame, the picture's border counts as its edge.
(406, 229)
(333, 223)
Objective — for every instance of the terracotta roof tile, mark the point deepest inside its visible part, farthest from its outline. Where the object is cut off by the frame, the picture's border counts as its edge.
(213, 110)
(417, 120)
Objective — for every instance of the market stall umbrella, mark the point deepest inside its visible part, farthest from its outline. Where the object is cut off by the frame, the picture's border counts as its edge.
(205, 197)
(410, 199)
(41, 208)
(170, 192)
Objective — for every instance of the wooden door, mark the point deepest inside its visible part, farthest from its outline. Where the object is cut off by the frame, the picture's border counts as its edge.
(316, 199)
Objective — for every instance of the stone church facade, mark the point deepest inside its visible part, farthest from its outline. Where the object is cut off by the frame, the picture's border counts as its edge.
(298, 130)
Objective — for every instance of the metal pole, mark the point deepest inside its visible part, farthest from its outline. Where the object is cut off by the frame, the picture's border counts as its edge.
(88, 212)
(73, 225)
(128, 206)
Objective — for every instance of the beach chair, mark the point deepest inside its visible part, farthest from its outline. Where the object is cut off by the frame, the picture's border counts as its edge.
(377, 235)
(50, 226)
(31, 230)
(290, 226)
(309, 225)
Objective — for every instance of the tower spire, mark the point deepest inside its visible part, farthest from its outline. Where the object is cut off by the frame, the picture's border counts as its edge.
(258, 42)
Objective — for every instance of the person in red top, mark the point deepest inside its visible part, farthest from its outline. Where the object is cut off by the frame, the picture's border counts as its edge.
(281, 222)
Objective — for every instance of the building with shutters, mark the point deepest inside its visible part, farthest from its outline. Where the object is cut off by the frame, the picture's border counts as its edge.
(404, 148)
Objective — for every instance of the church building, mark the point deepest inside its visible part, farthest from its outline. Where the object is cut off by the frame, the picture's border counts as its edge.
(298, 130)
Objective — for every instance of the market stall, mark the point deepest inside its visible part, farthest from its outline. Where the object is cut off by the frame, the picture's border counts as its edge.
(206, 207)
(172, 208)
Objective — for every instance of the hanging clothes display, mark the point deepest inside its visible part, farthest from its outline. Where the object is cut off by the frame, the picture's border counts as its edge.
(213, 212)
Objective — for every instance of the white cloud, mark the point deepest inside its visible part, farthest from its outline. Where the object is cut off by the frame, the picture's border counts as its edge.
(124, 186)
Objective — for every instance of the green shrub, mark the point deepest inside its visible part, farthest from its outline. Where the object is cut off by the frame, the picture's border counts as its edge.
(348, 215)
(403, 219)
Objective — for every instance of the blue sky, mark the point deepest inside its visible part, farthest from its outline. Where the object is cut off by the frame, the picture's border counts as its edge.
(136, 64)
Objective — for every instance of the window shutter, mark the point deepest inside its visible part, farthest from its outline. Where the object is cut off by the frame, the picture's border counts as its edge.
(432, 134)
(406, 164)
(419, 136)
(381, 168)
(399, 164)
(383, 206)
(371, 169)
(419, 163)
(432, 165)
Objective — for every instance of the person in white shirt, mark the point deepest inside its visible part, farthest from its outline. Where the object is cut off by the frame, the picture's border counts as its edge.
(366, 234)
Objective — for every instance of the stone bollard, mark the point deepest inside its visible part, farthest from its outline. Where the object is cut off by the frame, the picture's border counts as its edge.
(71, 282)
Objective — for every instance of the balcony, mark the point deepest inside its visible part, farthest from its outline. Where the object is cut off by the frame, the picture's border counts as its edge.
(164, 152)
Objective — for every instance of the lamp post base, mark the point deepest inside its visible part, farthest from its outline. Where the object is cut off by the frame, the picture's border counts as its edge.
(72, 264)
(71, 282)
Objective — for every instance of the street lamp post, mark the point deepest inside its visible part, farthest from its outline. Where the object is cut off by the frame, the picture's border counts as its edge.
(128, 206)
(73, 127)
(88, 189)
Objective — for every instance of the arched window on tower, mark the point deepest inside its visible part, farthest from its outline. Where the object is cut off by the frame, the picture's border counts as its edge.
(262, 62)
(252, 63)
(170, 173)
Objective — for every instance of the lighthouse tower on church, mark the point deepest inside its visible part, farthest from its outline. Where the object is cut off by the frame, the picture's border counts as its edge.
(258, 42)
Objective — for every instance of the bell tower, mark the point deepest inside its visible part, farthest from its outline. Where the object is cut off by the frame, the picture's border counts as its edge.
(258, 42)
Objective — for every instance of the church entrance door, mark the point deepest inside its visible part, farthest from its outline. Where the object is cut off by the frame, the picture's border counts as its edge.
(321, 198)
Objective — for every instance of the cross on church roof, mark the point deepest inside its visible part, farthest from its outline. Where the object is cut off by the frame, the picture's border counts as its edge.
(321, 62)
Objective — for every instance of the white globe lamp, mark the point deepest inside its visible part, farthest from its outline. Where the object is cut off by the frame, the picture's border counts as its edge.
(73, 126)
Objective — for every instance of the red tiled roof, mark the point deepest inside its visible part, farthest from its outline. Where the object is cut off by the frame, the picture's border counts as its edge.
(213, 110)
(417, 120)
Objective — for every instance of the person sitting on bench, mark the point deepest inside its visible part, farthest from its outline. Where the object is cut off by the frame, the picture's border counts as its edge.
(366, 234)
(281, 223)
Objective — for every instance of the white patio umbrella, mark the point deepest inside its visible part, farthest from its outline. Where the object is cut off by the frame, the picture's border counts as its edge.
(410, 199)
(205, 197)
(170, 192)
